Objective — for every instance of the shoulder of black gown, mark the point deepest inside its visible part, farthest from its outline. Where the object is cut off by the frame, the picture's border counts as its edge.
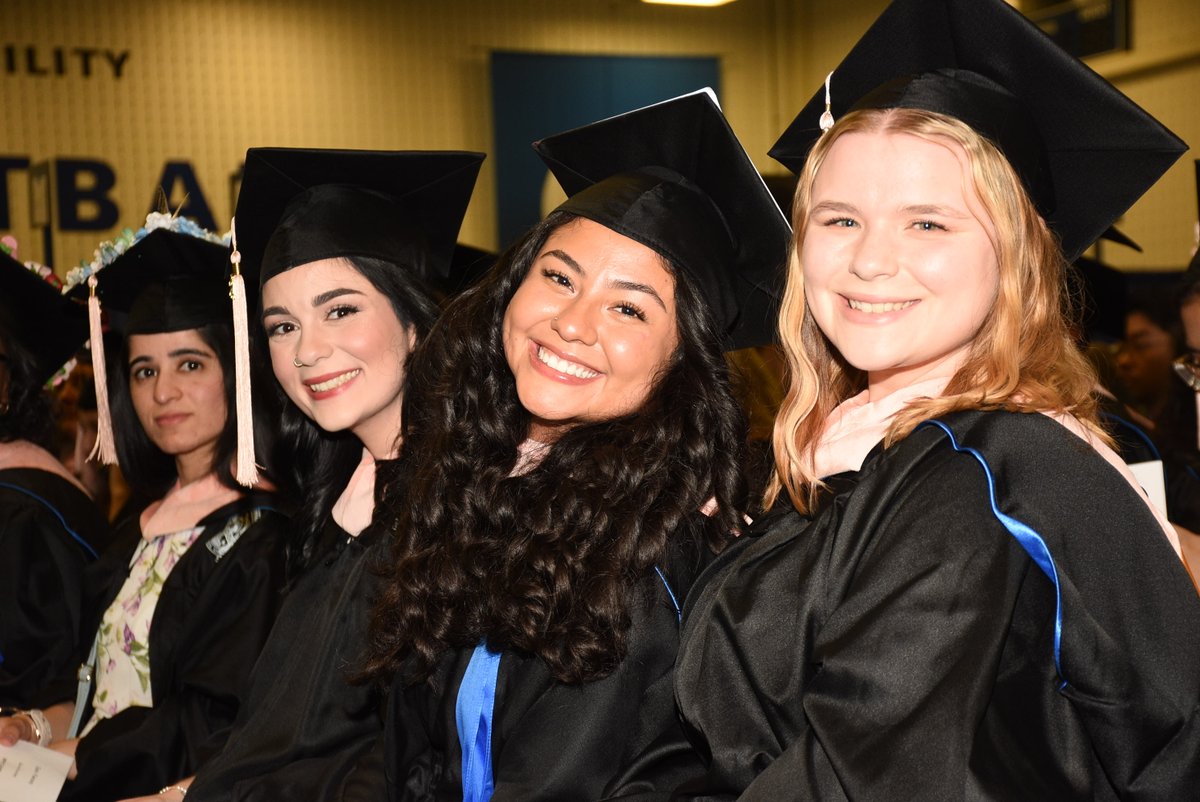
(848, 655)
(307, 730)
(50, 531)
(214, 613)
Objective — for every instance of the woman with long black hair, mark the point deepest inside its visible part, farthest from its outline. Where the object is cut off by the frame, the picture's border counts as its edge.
(349, 247)
(187, 594)
(572, 459)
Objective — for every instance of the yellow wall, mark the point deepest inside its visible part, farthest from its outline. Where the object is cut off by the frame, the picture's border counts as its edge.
(205, 79)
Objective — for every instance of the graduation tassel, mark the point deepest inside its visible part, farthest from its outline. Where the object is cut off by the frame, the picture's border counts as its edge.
(105, 448)
(246, 471)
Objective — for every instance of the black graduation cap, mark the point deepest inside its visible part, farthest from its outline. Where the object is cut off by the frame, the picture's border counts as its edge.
(468, 265)
(36, 315)
(167, 281)
(674, 177)
(301, 205)
(1084, 151)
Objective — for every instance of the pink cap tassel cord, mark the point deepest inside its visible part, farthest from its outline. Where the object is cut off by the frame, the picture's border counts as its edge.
(105, 448)
(246, 471)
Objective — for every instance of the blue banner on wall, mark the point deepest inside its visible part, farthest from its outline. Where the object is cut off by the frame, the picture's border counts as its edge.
(536, 95)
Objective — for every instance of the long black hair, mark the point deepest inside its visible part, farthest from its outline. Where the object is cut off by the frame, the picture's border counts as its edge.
(313, 466)
(546, 561)
(28, 416)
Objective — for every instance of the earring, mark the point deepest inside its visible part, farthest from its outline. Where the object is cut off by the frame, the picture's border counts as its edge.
(4, 407)
(297, 363)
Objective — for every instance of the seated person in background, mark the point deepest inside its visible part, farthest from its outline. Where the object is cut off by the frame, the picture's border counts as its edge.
(49, 527)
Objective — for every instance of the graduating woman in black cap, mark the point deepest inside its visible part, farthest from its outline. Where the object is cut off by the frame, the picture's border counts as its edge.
(960, 594)
(188, 592)
(348, 246)
(49, 527)
(572, 459)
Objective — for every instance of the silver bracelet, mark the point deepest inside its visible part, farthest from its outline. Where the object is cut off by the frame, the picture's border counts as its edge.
(41, 727)
(182, 791)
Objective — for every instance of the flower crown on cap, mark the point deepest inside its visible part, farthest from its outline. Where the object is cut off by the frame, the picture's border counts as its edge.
(107, 252)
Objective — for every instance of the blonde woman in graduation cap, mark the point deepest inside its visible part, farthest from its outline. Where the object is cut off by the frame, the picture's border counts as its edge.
(187, 594)
(572, 458)
(960, 593)
(350, 249)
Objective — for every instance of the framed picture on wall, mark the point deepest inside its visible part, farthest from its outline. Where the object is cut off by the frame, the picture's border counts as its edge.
(1082, 27)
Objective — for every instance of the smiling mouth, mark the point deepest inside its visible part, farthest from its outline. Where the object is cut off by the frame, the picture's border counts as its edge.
(879, 309)
(335, 382)
(563, 366)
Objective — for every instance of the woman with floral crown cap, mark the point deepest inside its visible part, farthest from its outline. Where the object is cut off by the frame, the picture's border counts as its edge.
(184, 599)
(50, 530)
(961, 593)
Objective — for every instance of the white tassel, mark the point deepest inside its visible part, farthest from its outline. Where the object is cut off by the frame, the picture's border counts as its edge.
(105, 447)
(826, 121)
(246, 471)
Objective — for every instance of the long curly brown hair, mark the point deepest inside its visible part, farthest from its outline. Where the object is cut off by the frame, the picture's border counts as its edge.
(546, 562)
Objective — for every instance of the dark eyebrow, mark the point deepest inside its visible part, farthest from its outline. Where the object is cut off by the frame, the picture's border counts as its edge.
(619, 284)
(178, 352)
(318, 300)
(326, 297)
(566, 259)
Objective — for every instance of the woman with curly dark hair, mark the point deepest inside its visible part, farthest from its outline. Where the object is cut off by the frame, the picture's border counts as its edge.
(572, 459)
(49, 527)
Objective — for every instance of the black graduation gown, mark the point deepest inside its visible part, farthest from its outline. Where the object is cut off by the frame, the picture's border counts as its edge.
(212, 617)
(41, 578)
(617, 737)
(900, 644)
(1180, 470)
(305, 732)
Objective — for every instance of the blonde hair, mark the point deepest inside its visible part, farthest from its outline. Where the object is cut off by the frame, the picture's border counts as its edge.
(1024, 357)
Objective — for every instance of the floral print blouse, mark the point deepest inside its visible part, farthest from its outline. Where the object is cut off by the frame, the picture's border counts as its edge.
(122, 645)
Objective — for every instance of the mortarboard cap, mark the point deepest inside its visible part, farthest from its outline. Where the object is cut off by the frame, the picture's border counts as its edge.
(674, 177)
(36, 315)
(1083, 150)
(467, 266)
(166, 281)
(167, 276)
(300, 205)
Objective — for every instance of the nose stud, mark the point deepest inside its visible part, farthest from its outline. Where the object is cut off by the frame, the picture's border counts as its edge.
(297, 363)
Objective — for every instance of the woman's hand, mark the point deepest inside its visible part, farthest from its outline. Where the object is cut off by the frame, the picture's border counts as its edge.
(15, 728)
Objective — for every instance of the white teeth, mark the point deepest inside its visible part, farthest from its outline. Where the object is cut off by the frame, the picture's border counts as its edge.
(876, 309)
(563, 366)
(336, 381)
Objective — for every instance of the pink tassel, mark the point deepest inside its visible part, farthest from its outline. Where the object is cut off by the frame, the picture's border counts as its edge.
(105, 447)
(246, 471)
